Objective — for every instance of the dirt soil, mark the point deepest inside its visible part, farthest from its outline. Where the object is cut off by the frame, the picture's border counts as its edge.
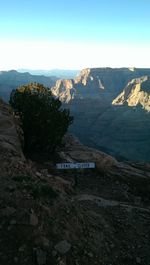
(104, 218)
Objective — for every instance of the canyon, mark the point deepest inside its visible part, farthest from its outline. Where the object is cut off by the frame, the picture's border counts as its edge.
(110, 109)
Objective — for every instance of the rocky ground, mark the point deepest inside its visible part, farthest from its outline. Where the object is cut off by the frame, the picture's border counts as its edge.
(46, 217)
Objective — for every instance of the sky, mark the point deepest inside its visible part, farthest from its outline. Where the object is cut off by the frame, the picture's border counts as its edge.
(67, 34)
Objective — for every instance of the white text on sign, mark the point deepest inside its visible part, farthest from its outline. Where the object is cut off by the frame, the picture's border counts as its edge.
(75, 165)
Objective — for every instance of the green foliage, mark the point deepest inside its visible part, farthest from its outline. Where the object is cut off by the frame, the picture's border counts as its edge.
(44, 191)
(22, 178)
(44, 122)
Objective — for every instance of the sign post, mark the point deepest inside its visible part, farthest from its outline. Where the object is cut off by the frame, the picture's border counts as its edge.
(75, 165)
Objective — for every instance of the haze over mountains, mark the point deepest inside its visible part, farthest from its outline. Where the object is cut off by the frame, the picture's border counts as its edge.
(10, 80)
(105, 117)
(110, 107)
(59, 73)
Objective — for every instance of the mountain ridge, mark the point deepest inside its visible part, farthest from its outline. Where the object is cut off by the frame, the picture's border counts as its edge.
(137, 92)
(106, 83)
(12, 79)
(59, 73)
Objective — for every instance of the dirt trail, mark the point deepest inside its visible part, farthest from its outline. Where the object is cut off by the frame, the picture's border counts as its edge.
(101, 202)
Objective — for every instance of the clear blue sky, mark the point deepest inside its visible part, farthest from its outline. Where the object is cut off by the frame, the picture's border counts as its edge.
(94, 22)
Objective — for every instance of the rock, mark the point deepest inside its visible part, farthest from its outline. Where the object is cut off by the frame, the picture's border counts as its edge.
(13, 222)
(44, 171)
(63, 185)
(11, 188)
(22, 248)
(9, 142)
(33, 219)
(137, 200)
(62, 262)
(138, 260)
(112, 245)
(40, 256)
(90, 254)
(81, 153)
(63, 247)
(16, 259)
(104, 124)
(9, 228)
(38, 174)
(54, 253)
(99, 83)
(64, 89)
(8, 211)
(12, 160)
(43, 242)
(135, 93)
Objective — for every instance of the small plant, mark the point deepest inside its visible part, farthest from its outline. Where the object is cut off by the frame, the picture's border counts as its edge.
(44, 191)
(21, 178)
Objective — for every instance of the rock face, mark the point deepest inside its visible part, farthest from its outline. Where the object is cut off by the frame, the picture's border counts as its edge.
(75, 151)
(65, 89)
(96, 83)
(118, 125)
(9, 143)
(12, 159)
(137, 92)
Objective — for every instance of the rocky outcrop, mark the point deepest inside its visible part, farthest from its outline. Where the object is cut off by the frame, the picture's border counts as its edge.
(137, 92)
(65, 89)
(9, 143)
(96, 83)
(83, 77)
(74, 151)
(12, 159)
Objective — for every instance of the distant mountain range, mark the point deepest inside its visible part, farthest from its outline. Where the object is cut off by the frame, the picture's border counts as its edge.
(59, 73)
(10, 80)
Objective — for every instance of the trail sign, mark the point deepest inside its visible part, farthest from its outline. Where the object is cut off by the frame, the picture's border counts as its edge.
(75, 165)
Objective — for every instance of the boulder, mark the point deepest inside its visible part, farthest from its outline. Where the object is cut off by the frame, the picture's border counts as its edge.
(76, 152)
(63, 247)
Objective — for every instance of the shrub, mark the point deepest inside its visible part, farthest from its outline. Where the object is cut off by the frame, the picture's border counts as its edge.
(44, 122)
